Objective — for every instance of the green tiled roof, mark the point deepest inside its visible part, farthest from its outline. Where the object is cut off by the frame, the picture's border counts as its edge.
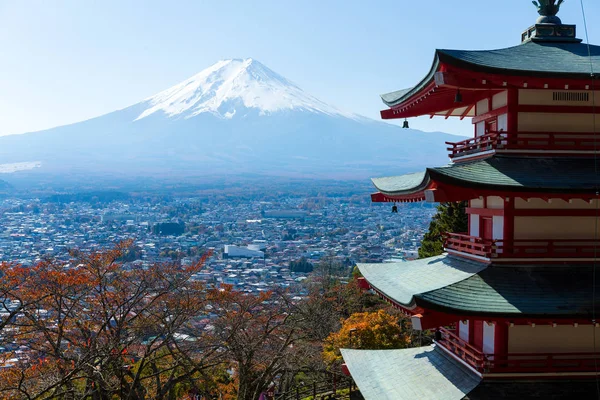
(531, 58)
(401, 281)
(423, 373)
(518, 290)
(395, 95)
(532, 173)
(509, 173)
(409, 183)
(550, 59)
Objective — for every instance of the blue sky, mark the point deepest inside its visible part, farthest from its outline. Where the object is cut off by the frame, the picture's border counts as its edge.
(66, 61)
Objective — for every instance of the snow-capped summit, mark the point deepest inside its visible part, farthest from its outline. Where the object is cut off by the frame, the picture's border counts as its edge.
(235, 118)
(230, 87)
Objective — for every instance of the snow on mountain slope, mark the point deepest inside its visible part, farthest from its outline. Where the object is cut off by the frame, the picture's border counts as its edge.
(237, 117)
(225, 87)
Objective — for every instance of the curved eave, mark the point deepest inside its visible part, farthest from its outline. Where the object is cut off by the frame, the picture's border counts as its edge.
(424, 373)
(401, 189)
(542, 177)
(400, 282)
(467, 186)
(521, 174)
(529, 60)
(398, 97)
(518, 292)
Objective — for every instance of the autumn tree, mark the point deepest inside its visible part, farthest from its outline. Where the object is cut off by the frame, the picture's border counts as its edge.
(256, 334)
(96, 328)
(368, 330)
(93, 329)
(319, 314)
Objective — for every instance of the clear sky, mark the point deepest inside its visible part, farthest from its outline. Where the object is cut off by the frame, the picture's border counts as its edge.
(65, 61)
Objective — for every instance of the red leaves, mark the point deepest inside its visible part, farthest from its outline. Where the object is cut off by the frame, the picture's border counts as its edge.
(76, 322)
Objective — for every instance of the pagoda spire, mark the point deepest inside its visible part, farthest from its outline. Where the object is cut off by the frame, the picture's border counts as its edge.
(548, 10)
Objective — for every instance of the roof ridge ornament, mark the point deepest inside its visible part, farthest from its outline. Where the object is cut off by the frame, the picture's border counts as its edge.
(548, 10)
(548, 27)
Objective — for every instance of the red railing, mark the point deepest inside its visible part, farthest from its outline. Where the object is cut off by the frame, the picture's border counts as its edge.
(516, 362)
(473, 145)
(529, 248)
(544, 248)
(551, 141)
(536, 362)
(469, 244)
(526, 141)
(468, 353)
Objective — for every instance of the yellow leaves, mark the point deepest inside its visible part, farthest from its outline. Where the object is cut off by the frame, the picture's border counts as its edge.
(369, 330)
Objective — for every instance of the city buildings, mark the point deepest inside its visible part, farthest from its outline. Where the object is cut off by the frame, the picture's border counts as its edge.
(33, 229)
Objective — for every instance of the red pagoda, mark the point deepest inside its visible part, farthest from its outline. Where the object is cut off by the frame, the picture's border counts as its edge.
(513, 301)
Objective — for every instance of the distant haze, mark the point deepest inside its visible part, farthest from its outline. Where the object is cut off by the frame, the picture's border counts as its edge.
(235, 117)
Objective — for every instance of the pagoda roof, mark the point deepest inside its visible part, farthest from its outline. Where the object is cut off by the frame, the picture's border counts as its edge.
(518, 290)
(458, 286)
(425, 373)
(501, 173)
(535, 59)
(401, 281)
(429, 373)
(530, 59)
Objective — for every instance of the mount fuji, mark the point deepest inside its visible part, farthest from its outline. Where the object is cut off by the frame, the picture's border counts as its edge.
(235, 117)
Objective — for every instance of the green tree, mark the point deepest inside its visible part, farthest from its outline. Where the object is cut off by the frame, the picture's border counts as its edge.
(451, 217)
(302, 265)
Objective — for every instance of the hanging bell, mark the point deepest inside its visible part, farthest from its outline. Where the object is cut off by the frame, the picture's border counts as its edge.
(405, 124)
(394, 208)
(458, 98)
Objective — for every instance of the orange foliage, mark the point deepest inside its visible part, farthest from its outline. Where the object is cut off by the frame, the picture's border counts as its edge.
(370, 330)
(94, 328)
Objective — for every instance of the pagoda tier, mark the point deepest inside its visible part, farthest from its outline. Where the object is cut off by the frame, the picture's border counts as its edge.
(450, 288)
(499, 321)
(550, 65)
(419, 373)
(430, 373)
(507, 176)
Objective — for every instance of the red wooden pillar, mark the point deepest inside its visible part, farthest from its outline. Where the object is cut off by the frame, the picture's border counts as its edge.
(512, 118)
(501, 338)
(478, 335)
(469, 219)
(484, 206)
(509, 224)
(471, 332)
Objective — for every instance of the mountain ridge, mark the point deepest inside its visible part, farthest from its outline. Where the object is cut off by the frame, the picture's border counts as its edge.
(246, 80)
(235, 117)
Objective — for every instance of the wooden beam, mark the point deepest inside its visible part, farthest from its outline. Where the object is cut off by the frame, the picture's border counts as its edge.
(466, 112)
(558, 109)
(490, 114)
(485, 212)
(525, 212)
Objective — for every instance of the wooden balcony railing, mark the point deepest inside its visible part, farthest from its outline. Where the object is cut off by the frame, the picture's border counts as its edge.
(463, 350)
(464, 243)
(526, 248)
(562, 142)
(546, 362)
(473, 145)
(545, 248)
(516, 362)
(550, 141)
